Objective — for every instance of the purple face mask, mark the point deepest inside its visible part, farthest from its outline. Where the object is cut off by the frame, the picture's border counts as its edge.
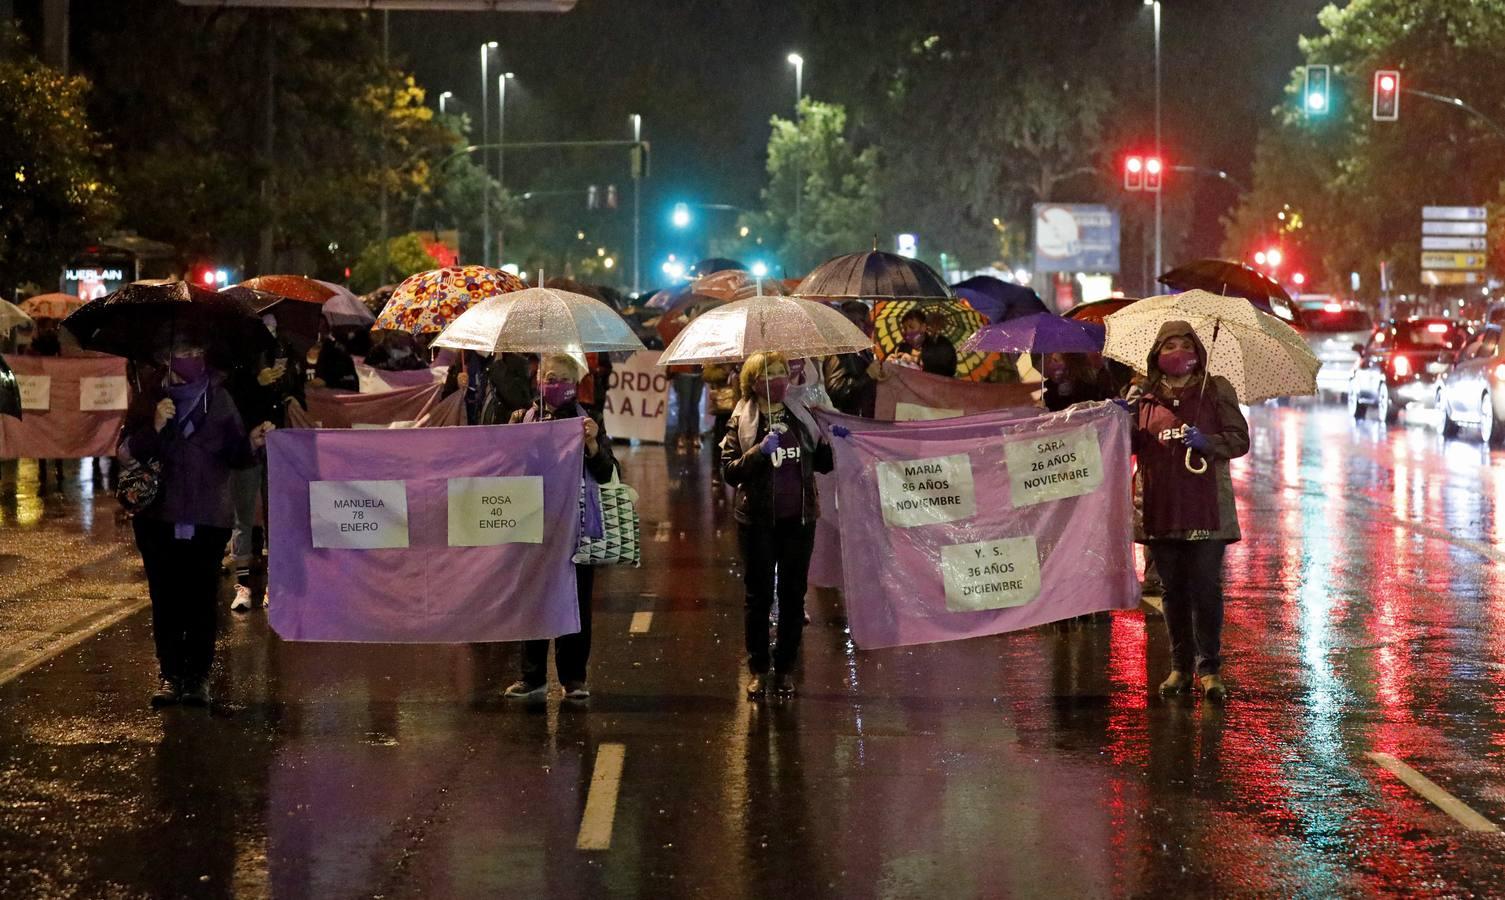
(558, 393)
(796, 369)
(913, 338)
(188, 368)
(774, 389)
(1177, 362)
(1055, 371)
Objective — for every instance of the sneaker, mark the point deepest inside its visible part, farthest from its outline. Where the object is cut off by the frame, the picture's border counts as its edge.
(168, 693)
(1212, 686)
(242, 601)
(196, 693)
(521, 690)
(1175, 683)
(757, 685)
(576, 690)
(783, 684)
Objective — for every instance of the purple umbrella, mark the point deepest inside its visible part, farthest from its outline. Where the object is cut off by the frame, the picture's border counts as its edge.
(1038, 333)
(1015, 300)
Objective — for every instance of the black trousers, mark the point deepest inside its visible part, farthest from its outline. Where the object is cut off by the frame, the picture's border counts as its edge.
(572, 652)
(775, 557)
(1192, 572)
(183, 579)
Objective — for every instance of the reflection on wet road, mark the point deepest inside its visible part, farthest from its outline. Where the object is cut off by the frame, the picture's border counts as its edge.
(1366, 615)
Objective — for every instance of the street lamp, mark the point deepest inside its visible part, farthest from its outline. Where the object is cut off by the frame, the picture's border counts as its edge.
(1159, 195)
(799, 188)
(443, 97)
(501, 150)
(486, 49)
(637, 177)
(681, 216)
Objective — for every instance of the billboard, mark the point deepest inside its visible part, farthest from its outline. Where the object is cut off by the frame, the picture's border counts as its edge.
(1076, 237)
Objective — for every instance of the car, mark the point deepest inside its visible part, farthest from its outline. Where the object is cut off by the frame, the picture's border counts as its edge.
(1472, 393)
(1332, 329)
(1402, 364)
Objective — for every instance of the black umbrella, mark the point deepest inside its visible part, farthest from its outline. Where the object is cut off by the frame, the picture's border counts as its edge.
(1009, 301)
(142, 319)
(715, 264)
(1229, 279)
(297, 320)
(873, 275)
(10, 392)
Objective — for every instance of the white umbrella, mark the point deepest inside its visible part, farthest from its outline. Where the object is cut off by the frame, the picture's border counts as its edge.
(788, 325)
(11, 316)
(540, 320)
(1261, 356)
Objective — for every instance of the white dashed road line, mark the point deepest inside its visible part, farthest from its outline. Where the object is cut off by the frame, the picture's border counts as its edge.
(641, 622)
(601, 802)
(1440, 798)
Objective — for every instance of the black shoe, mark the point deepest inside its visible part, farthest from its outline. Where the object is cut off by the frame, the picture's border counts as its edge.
(783, 684)
(168, 693)
(196, 693)
(757, 686)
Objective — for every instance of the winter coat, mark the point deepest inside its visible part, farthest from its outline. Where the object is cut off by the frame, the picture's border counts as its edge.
(745, 467)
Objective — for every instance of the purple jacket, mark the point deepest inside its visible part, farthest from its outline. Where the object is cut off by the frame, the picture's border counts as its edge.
(195, 487)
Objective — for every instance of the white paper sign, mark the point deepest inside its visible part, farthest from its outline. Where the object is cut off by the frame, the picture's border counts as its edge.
(926, 491)
(990, 574)
(637, 398)
(358, 515)
(1054, 466)
(914, 412)
(102, 394)
(36, 392)
(484, 512)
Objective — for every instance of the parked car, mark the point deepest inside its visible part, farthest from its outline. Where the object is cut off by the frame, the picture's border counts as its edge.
(1402, 364)
(1332, 330)
(1473, 391)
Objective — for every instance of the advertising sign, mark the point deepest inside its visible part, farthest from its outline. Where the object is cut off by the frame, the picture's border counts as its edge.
(1076, 237)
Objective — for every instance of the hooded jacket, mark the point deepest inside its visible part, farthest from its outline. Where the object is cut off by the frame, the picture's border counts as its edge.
(1177, 503)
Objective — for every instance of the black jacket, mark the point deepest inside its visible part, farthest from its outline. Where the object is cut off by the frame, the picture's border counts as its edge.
(600, 465)
(848, 384)
(749, 471)
(937, 355)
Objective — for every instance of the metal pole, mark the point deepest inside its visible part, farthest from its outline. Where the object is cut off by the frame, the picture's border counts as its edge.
(501, 158)
(386, 39)
(485, 160)
(799, 161)
(637, 210)
(1160, 194)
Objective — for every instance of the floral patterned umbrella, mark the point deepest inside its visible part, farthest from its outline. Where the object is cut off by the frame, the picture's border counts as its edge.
(428, 302)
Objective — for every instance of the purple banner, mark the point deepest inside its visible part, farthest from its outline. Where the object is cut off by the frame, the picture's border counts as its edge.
(442, 535)
(984, 524)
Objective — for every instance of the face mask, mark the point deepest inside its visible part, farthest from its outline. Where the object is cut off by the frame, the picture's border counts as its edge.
(796, 369)
(913, 338)
(188, 368)
(774, 389)
(1177, 362)
(401, 352)
(1055, 371)
(558, 393)
(271, 324)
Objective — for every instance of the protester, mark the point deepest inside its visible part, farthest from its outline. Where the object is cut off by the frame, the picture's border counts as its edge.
(770, 454)
(597, 380)
(189, 425)
(561, 382)
(333, 362)
(394, 351)
(722, 394)
(46, 342)
(687, 390)
(511, 388)
(1187, 428)
(924, 346)
(1070, 379)
(852, 378)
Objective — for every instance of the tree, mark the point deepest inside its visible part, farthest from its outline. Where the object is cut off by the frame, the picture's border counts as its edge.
(406, 255)
(53, 197)
(839, 199)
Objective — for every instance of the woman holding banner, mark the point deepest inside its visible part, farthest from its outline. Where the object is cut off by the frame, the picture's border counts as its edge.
(1187, 427)
(560, 377)
(770, 454)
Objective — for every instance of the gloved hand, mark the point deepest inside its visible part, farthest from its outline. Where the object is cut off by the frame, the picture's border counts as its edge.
(1198, 441)
(1123, 404)
(841, 431)
(770, 444)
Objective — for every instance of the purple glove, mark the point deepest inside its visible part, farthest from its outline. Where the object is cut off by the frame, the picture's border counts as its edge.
(1198, 441)
(1123, 404)
(770, 444)
(841, 431)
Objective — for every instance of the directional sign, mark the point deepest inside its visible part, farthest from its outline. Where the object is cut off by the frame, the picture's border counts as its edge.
(1442, 278)
(1455, 213)
(1472, 261)
(1468, 229)
(1453, 243)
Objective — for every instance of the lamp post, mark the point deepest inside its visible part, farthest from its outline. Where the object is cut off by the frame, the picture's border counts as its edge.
(1160, 194)
(486, 49)
(501, 153)
(443, 97)
(637, 177)
(799, 151)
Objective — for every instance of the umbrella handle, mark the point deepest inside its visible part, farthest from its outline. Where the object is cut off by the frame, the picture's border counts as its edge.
(1193, 468)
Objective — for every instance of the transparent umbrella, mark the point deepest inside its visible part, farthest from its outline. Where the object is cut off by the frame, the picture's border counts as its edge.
(540, 320)
(788, 325)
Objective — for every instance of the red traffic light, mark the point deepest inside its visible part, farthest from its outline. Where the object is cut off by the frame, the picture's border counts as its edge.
(1134, 173)
(1387, 83)
(1386, 95)
(1153, 168)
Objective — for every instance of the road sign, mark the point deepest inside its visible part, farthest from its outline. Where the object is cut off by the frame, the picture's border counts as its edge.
(1471, 261)
(1455, 213)
(1473, 229)
(1444, 278)
(1453, 243)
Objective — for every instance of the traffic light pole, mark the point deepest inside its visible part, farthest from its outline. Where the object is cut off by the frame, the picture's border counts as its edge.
(1457, 103)
(1159, 154)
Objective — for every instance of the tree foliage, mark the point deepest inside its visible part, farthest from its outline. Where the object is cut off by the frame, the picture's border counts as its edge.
(406, 255)
(53, 197)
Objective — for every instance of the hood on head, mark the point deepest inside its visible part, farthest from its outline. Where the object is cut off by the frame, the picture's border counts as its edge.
(1172, 329)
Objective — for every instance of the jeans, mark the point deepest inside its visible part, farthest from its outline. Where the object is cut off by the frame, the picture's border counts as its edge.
(775, 558)
(572, 652)
(183, 578)
(245, 487)
(687, 391)
(1192, 572)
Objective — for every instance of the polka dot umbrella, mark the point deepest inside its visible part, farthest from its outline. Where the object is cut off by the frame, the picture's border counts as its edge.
(428, 302)
(1261, 356)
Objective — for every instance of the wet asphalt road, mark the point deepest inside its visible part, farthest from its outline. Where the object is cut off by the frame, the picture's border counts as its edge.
(1366, 613)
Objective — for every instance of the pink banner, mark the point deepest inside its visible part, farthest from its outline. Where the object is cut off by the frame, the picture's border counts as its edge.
(911, 395)
(986, 524)
(328, 408)
(75, 407)
(440, 535)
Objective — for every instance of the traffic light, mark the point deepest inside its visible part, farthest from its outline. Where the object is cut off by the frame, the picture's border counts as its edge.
(1134, 173)
(1153, 170)
(1315, 95)
(592, 199)
(1386, 95)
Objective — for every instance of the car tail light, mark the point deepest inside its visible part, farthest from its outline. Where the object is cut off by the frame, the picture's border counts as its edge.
(1437, 328)
(1332, 308)
(1400, 366)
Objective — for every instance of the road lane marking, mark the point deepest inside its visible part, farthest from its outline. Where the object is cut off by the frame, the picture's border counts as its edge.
(661, 533)
(69, 636)
(1440, 798)
(641, 622)
(601, 802)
